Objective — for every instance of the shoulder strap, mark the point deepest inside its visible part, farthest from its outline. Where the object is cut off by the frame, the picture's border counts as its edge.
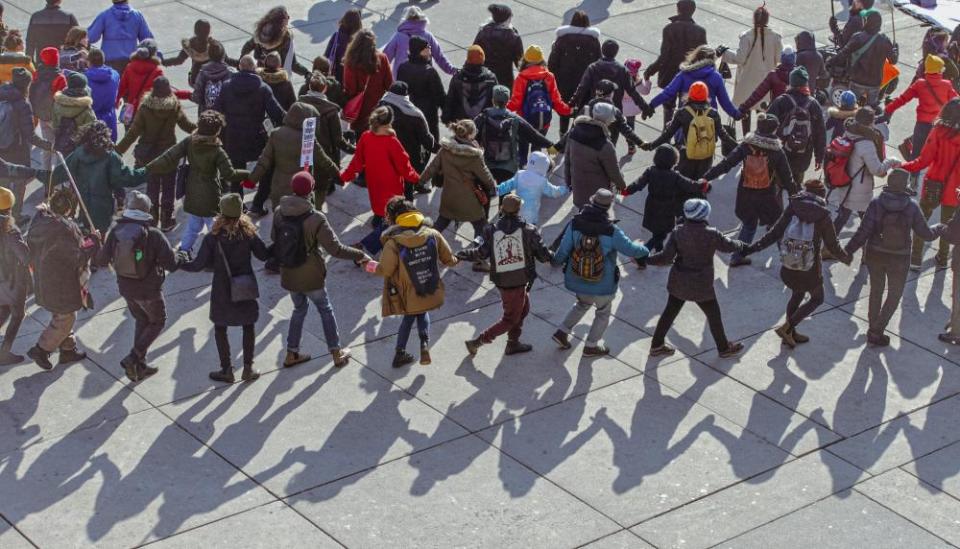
(855, 57)
(933, 93)
(223, 256)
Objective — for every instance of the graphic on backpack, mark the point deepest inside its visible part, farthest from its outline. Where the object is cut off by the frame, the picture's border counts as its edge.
(701, 135)
(587, 260)
(537, 106)
(211, 91)
(508, 253)
(63, 140)
(756, 170)
(290, 246)
(838, 160)
(128, 253)
(498, 139)
(795, 132)
(894, 233)
(796, 248)
(474, 98)
(422, 266)
(7, 120)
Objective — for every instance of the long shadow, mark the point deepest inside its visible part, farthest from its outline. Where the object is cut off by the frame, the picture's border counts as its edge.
(598, 10)
(940, 428)
(23, 404)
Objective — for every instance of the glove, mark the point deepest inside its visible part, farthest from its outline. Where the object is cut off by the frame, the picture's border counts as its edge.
(625, 193)
(248, 184)
(646, 147)
(721, 50)
(647, 113)
(705, 186)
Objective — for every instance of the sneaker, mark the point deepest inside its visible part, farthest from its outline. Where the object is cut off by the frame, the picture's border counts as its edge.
(425, 359)
(949, 338)
(916, 267)
(423, 188)
(599, 350)
(225, 375)
(402, 358)
(249, 374)
(878, 340)
(293, 359)
(516, 348)
(662, 350)
(786, 335)
(71, 356)
(7, 358)
(473, 345)
(40, 357)
(562, 339)
(341, 357)
(732, 350)
(741, 261)
(800, 338)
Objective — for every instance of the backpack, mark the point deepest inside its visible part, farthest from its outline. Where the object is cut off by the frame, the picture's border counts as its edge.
(290, 246)
(756, 171)
(41, 93)
(474, 98)
(498, 144)
(8, 137)
(128, 253)
(796, 249)
(537, 106)
(795, 131)
(211, 91)
(701, 135)
(894, 234)
(838, 159)
(508, 252)
(422, 266)
(587, 260)
(63, 139)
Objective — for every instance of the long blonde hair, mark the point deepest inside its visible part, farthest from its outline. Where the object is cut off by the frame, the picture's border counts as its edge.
(234, 227)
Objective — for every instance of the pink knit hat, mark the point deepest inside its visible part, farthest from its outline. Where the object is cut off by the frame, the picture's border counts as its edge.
(633, 65)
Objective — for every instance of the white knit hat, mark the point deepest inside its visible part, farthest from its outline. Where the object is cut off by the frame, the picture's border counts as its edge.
(696, 209)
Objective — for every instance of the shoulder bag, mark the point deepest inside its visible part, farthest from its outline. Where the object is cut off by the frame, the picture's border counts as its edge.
(242, 287)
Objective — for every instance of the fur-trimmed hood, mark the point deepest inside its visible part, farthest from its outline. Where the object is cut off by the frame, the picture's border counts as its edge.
(570, 29)
(152, 102)
(768, 142)
(690, 67)
(278, 76)
(460, 149)
(85, 102)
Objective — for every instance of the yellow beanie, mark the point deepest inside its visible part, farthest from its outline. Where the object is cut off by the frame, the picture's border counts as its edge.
(7, 199)
(933, 65)
(534, 54)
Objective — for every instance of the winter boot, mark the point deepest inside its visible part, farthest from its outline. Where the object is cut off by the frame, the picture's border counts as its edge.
(168, 222)
(786, 335)
(131, 367)
(402, 358)
(740, 261)
(562, 339)
(41, 357)
(515, 348)
(878, 339)
(425, 359)
(732, 350)
(155, 214)
(224, 374)
(473, 345)
(249, 374)
(7, 358)
(146, 371)
(341, 357)
(599, 350)
(70, 356)
(294, 358)
(800, 338)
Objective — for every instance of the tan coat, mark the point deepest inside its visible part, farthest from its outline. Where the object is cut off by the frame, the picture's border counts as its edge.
(405, 300)
(753, 62)
(462, 168)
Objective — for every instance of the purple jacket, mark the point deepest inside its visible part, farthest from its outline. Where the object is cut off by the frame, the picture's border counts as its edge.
(399, 45)
(702, 71)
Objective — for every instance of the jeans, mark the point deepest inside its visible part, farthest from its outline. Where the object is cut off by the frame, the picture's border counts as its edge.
(371, 242)
(710, 308)
(15, 313)
(301, 306)
(516, 307)
(423, 330)
(150, 317)
(797, 311)
(943, 252)
(223, 345)
(871, 93)
(195, 224)
(601, 319)
(59, 333)
(885, 269)
(748, 230)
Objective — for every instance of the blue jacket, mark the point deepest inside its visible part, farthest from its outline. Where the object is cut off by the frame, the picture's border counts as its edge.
(613, 243)
(531, 184)
(121, 28)
(104, 82)
(707, 74)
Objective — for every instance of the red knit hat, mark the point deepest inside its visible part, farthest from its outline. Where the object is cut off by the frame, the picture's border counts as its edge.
(302, 184)
(50, 57)
(699, 92)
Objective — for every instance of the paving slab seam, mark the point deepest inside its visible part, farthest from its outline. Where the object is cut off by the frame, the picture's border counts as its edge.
(607, 536)
(953, 362)
(212, 16)
(924, 482)
(17, 530)
(881, 504)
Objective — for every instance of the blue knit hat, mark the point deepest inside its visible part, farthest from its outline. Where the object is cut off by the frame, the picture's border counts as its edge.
(696, 209)
(848, 100)
(788, 56)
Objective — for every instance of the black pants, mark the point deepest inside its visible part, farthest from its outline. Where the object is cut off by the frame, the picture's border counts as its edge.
(150, 317)
(796, 312)
(799, 164)
(15, 313)
(565, 124)
(745, 122)
(223, 345)
(442, 223)
(161, 189)
(263, 191)
(669, 108)
(885, 270)
(710, 308)
(694, 169)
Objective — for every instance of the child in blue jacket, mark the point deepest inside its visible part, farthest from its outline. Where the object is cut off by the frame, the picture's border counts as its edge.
(530, 184)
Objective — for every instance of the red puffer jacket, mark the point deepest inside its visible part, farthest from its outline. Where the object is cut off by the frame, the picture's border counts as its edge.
(137, 79)
(537, 72)
(932, 92)
(386, 165)
(772, 87)
(941, 157)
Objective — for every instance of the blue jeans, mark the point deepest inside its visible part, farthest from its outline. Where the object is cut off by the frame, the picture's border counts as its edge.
(195, 224)
(423, 330)
(327, 319)
(371, 242)
(748, 230)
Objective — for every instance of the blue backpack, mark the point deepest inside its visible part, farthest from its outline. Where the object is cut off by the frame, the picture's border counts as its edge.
(537, 106)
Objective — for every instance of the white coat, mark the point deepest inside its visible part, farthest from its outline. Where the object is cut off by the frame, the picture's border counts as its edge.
(753, 62)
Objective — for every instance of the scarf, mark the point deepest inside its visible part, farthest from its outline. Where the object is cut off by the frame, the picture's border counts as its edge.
(404, 104)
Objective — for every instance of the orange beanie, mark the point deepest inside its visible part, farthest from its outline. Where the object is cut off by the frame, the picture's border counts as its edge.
(699, 92)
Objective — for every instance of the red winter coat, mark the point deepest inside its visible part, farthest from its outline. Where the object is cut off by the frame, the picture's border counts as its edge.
(932, 92)
(771, 87)
(537, 72)
(377, 84)
(137, 79)
(941, 156)
(386, 165)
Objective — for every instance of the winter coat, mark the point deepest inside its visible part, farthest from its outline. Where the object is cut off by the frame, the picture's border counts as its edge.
(209, 167)
(104, 83)
(519, 128)
(319, 238)
(154, 128)
(593, 221)
(470, 91)
(606, 69)
(21, 126)
(373, 86)
(870, 230)
(868, 69)
(667, 191)
(682, 118)
(329, 131)
(590, 161)
(619, 123)
(411, 127)
(773, 86)
(782, 107)
(808, 208)
(505, 243)
(238, 251)
(461, 167)
(574, 49)
(809, 57)
(80, 109)
(137, 79)
(282, 155)
(932, 92)
(530, 185)
(284, 46)
(197, 52)
(763, 205)
(245, 100)
(853, 25)
(15, 280)
(940, 156)
(425, 88)
(531, 74)
(754, 58)
(280, 85)
(386, 165)
(690, 249)
(679, 37)
(211, 73)
(336, 47)
(48, 28)
(864, 164)
(836, 122)
(701, 71)
(122, 28)
(98, 177)
(399, 46)
(47, 81)
(158, 255)
(60, 263)
(399, 294)
(503, 49)
(10, 60)
(73, 59)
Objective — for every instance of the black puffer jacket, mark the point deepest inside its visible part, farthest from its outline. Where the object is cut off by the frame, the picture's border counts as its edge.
(808, 57)
(503, 49)
(607, 69)
(690, 249)
(471, 88)
(425, 89)
(870, 230)
(411, 128)
(680, 36)
(573, 51)
(868, 69)
(853, 26)
(518, 233)
(157, 254)
(666, 192)
(59, 261)
(246, 101)
(21, 127)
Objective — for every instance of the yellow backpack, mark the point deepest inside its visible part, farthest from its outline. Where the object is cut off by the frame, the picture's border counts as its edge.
(701, 135)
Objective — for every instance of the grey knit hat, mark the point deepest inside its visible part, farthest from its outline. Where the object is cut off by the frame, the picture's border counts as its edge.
(136, 200)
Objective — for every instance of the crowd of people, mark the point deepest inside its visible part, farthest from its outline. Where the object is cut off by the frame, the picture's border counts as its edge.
(84, 96)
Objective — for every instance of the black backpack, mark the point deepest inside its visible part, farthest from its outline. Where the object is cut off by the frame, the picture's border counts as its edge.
(290, 245)
(474, 97)
(129, 253)
(498, 143)
(894, 234)
(796, 129)
(41, 93)
(422, 264)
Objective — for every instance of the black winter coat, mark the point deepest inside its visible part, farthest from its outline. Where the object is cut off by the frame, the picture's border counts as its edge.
(763, 205)
(680, 36)
(519, 128)
(246, 101)
(529, 239)
(667, 191)
(574, 49)
(59, 262)
(503, 49)
(281, 87)
(48, 28)
(22, 127)
(681, 122)
(690, 249)
(481, 80)
(414, 135)
(782, 106)
(158, 255)
(868, 69)
(223, 311)
(15, 283)
(869, 233)
(614, 71)
(853, 26)
(425, 89)
(809, 57)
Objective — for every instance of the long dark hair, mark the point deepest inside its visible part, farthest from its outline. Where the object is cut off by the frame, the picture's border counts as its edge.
(761, 18)
(362, 51)
(580, 19)
(271, 26)
(351, 22)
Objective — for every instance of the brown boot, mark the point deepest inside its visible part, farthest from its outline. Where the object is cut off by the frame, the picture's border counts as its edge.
(293, 359)
(341, 357)
(249, 374)
(786, 334)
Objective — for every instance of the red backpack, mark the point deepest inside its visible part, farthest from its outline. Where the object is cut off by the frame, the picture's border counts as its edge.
(838, 157)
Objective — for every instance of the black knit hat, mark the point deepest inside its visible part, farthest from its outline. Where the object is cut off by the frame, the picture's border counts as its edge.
(400, 88)
(76, 85)
(161, 87)
(500, 13)
(416, 45)
(21, 78)
(665, 156)
(767, 124)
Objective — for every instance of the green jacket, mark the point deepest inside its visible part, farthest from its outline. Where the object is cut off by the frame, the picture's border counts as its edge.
(155, 125)
(78, 108)
(97, 178)
(209, 167)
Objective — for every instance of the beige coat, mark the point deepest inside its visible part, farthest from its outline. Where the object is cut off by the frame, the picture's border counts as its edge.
(753, 62)
(462, 168)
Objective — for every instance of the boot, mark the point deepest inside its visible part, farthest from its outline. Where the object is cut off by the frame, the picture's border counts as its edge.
(402, 358)
(71, 356)
(146, 371)
(948, 337)
(224, 374)
(878, 340)
(155, 214)
(131, 367)
(662, 350)
(41, 357)
(515, 348)
(293, 359)
(732, 350)
(599, 350)
(425, 359)
(473, 345)
(800, 338)
(786, 334)
(7, 358)
(562, 339)
(341, 357)
(740, 261)
(249, 374)
(167, 222)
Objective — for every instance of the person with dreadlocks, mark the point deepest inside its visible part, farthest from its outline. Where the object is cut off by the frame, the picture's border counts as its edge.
(757, 55)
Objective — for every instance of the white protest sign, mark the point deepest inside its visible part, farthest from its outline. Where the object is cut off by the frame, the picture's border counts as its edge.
(307, 142)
